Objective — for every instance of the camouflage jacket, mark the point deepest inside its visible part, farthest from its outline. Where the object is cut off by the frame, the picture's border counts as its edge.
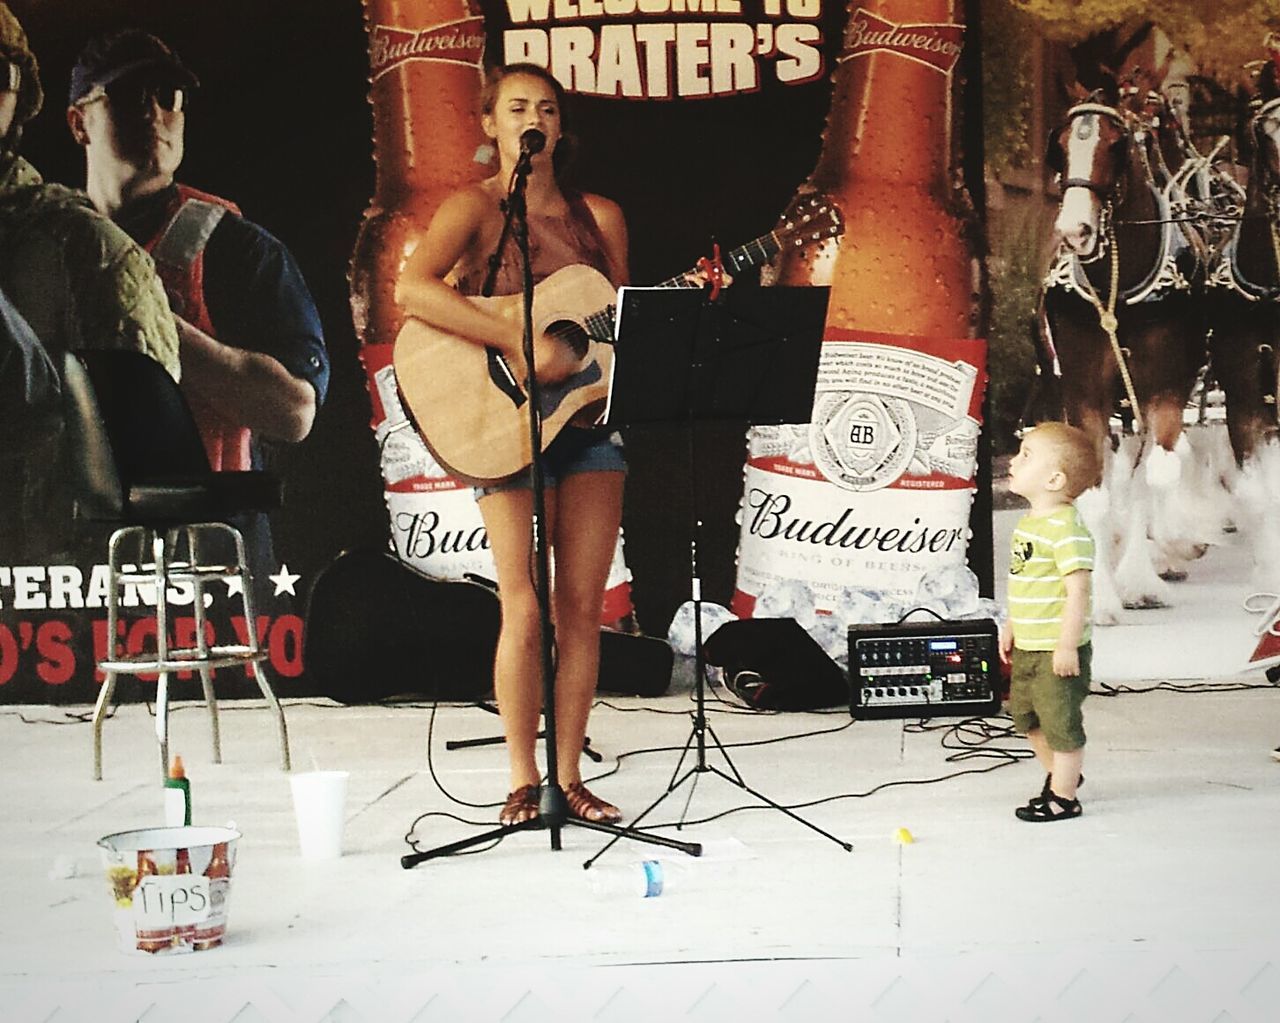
(79, 280)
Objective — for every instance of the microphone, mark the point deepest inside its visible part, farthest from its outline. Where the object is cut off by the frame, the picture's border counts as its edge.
(532, 142)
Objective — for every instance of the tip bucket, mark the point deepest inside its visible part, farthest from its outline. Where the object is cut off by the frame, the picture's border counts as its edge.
(171, 886)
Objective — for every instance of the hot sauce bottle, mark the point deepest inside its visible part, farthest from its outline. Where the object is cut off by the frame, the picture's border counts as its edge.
(157, 938)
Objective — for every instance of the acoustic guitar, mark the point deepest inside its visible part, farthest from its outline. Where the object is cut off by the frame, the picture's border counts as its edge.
(469, 401)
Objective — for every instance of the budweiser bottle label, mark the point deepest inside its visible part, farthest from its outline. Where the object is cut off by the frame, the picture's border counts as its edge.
(875, 490)
(934, 45)
(889, 413)
(455, 42)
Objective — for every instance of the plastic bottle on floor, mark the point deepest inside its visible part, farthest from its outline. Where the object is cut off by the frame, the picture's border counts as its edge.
(645, 879)
(721, 864)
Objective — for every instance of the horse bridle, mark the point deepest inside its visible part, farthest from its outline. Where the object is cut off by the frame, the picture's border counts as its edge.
(1102, 110)
(1266, 110)
(1269, 109)
(1271, 189)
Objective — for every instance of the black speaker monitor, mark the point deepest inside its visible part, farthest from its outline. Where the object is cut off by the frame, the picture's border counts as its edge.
(773, 664)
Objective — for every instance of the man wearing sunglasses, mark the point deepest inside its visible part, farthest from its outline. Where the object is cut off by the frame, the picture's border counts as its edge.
(77, 281)
(254, 363)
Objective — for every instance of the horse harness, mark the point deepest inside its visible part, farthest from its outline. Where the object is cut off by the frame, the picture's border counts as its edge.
(1226, 273)
(1069, 272)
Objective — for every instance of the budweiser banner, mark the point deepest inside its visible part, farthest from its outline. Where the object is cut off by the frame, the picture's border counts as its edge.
(666, 49)
(53, 628)
(703, 120)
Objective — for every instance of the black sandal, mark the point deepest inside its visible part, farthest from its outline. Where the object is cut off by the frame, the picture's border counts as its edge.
(1051, 808)
(1048, 787)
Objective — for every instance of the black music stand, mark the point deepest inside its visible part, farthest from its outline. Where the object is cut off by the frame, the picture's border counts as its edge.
(683, 356)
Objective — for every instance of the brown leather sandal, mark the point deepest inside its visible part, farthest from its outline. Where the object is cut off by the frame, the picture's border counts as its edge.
(521, 806)
(586, 806)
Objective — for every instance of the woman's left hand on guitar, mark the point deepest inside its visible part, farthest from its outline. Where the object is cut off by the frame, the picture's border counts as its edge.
(710, 273)
(703, 278)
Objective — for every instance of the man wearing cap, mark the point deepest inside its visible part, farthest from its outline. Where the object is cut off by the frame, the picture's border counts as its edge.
(75, 279)
(73, 275)
(253, 354)
(254, 362)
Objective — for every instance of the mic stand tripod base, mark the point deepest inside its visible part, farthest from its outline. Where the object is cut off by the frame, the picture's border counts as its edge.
(553, 815)
(497, 740)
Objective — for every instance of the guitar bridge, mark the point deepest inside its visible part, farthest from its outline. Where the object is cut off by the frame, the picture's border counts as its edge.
(503, 379)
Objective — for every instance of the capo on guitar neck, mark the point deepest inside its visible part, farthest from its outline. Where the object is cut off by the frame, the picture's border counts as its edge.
(714, 269)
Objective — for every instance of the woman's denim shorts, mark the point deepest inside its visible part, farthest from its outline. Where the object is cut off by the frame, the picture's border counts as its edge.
(573, 451)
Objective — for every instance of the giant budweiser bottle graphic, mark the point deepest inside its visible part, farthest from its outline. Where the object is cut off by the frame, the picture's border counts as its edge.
(425, 74)
(850, 513)
(426, 60)
(425, 78)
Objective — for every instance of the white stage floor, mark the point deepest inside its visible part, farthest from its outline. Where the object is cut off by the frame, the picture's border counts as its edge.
(1159, 904)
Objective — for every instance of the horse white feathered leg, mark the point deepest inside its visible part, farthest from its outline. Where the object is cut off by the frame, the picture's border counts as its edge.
(1256, 495)
(1186, 510)
(1094, 508)
(1137, 582)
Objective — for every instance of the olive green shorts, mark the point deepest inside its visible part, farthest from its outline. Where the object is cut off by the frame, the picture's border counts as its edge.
(1038, 698)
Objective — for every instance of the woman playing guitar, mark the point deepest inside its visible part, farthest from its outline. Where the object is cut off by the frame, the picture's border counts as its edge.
(584, 469)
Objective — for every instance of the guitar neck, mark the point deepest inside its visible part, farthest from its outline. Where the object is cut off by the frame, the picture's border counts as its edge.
(754, 253)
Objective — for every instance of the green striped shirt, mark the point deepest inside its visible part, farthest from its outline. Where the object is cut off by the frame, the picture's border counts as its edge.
(1046, 549)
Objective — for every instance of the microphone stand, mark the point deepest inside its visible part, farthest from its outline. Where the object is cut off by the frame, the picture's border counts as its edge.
(553, 807)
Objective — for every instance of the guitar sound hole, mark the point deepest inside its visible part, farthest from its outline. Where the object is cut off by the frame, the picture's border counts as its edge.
(571, 334)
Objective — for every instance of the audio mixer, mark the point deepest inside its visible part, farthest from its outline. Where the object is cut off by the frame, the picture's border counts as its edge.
(930, 669)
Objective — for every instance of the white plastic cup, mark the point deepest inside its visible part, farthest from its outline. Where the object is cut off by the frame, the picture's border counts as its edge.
(319, 806)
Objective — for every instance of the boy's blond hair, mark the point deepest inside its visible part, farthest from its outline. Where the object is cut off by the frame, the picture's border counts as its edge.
(1077, 455)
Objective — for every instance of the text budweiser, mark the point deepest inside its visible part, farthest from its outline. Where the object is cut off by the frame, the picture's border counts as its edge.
(459, 42)
(936, 45)
(770, 519)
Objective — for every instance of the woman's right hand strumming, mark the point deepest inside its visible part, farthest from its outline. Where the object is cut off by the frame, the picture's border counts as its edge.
(553, 360)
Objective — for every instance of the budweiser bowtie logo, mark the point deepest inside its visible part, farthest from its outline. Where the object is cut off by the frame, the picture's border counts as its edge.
(457, 42)
(937, 46)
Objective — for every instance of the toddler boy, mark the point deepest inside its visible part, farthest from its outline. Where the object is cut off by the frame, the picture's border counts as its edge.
(1046, 635)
